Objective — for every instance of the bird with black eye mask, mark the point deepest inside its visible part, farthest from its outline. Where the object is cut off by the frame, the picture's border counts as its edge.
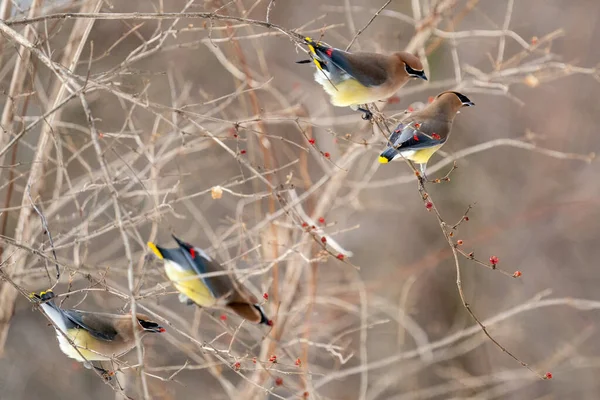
(423, 132)
(93, 336)
(355, 79)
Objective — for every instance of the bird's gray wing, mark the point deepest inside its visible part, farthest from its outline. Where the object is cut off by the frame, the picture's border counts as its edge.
(408, 136)
(221, 286)
(98, 325)
(367, 68)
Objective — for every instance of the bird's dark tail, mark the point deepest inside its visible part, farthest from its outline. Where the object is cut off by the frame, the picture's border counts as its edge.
(319, 53)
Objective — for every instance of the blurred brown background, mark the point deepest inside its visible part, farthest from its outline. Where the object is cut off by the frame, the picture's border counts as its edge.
(537, 212)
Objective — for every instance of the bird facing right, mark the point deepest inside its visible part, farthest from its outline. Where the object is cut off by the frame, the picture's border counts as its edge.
(423, 132)
(202, 280)
(92, 336)
(355, 79)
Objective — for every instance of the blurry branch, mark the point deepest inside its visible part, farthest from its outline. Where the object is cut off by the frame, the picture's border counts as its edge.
(492, 144)
(157, 16)
(23, 231)
(505, 25)
(361, 30)
(46, 231)
(535, 303)
(125, 238)
(21, 68)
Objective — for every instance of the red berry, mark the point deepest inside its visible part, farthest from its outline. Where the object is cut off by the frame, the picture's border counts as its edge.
(223, 317)
(326, 154)
(311, 141)
(340, 256)
(459, 242)
(273, 358)
(517, 274)
(429, 205)
(417, 125)
(254, 360)
(548, 375)
(415, 137)
(323, 239)
(242, 151)
(305, 395)
(436, 136)
(304, 225)
(237, 365)
(298, 362)
(321, 220)
(494, 260)
(279, 381)
(270, 322)
(466, 218)
(266, 296)
(235, 135)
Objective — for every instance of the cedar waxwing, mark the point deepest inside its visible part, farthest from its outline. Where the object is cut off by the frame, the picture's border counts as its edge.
(97, 336)
(185, 267)
(423, 132)
(354, 79)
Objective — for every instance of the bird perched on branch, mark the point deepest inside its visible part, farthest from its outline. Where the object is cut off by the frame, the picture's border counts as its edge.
(423, 132)
(355, 79)
(187, 267)
(92, 336)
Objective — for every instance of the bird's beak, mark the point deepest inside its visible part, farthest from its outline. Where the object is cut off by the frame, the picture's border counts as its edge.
(468, 104)
(158, 252)
(421, 75)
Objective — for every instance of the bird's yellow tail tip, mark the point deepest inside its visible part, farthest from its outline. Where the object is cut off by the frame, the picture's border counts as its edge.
(155, 250)
(383, 160)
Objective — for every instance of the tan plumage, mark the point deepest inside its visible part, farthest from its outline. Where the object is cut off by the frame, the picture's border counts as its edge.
(93, 336)
(423, 132)
(354, 79)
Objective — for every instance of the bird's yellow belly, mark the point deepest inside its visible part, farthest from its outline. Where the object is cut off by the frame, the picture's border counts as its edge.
(188, 283)
(83, 341)
(349, 92)
(422, 156)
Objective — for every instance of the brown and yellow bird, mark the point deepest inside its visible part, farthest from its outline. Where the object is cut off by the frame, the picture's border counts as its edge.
(355, 79)
(95, 336)
(423, 132)
(203, 281)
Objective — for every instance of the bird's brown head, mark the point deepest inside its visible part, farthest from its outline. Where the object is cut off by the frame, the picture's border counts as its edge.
(147, 325)
(450, 102)
(411, 65)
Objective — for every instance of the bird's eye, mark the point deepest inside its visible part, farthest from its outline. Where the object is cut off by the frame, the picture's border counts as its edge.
(414, 72)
